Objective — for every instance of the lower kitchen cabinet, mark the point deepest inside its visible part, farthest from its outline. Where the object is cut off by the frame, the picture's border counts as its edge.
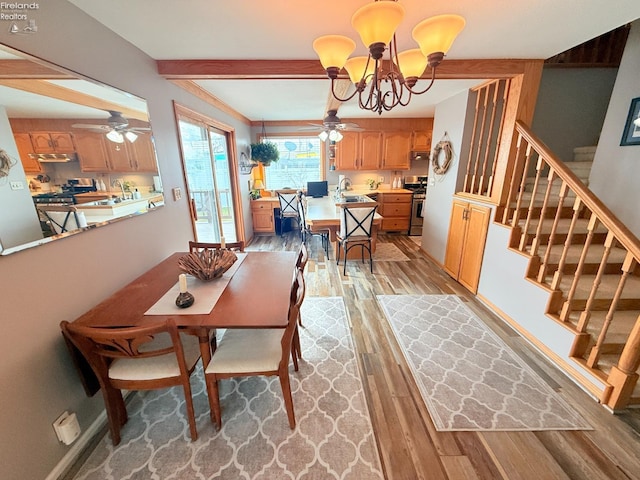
(262, 215)
(395, 209)
(468, 228)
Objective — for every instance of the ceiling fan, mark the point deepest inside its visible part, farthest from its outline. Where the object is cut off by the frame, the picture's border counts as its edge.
(116, 129)
(331, 127)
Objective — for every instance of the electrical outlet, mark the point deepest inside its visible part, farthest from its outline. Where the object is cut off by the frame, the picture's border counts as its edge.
(17, 186)
(177, 193)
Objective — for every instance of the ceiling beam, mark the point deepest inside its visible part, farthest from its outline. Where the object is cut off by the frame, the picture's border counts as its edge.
(27, 69)
(48, 89)
(311, 69)
(201, 93)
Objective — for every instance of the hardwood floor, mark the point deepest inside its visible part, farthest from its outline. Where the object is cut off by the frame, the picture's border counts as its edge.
(409, 444)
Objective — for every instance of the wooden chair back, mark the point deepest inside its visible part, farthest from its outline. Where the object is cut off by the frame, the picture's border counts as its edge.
(199, 246)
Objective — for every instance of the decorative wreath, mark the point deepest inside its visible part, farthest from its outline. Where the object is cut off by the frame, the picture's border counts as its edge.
(442, 146)
(6, 162)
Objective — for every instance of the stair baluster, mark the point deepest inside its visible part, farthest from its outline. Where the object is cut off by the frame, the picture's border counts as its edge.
(543, 270)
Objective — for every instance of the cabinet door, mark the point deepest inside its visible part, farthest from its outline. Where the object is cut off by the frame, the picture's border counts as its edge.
(23, 142)
(455, 241)
(396, 148)
(41, 142)
(62, 142)
(118, 157)
(370, 150)
(473, 251)
(421, 141)
(142, 154)
(262, 216)
(348, 151)
(92, 153)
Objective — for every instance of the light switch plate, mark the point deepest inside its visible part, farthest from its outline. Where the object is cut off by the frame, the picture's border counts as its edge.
(17, 186)
(177, 193)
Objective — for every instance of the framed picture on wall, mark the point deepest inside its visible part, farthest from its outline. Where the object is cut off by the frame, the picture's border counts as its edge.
(631, 134)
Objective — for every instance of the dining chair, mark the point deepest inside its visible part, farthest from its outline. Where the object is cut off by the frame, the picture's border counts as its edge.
(137, 358)
(252, 352)
(305, 229)
(199, 246)
(301, 262)
(62, 218)
(356, 224)
(288, 200)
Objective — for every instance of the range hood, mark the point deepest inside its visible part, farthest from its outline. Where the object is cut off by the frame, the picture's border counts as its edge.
(54, 157)
(417, 155)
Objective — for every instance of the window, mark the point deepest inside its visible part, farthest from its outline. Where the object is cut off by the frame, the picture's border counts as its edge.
(300, 162)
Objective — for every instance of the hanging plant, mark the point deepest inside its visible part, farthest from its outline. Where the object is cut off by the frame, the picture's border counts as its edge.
(265, 152)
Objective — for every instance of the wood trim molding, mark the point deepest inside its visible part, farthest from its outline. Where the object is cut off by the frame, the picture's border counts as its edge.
(48, 89)
(195, 89)
(312, 69)
(27, 69)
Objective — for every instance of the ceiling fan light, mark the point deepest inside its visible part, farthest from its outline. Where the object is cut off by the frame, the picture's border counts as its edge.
(339, 136)
(333, 50)
(323, 135)
(115, 136)
(132, 137)
(355, 66)
(377, 22)
(436, 34)
(333, 134)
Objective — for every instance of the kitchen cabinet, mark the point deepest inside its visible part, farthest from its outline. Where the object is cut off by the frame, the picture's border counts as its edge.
(421, 141)
(92, 152)
(395, 209)
(468, 227)
(395, 150)
(52, 142)
(97, 154)
(262, 215)
(25, 147)
(142, 154)
(359, 151)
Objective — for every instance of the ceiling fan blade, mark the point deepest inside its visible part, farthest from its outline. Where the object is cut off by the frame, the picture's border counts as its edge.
(100, 128)
(138, 129)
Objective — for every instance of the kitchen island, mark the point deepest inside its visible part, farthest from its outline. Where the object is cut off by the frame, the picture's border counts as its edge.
(324, 214)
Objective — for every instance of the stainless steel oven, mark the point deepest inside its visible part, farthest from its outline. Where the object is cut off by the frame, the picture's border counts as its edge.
(418, 185)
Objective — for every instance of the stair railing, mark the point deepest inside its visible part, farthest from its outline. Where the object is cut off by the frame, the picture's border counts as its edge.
(548, 205)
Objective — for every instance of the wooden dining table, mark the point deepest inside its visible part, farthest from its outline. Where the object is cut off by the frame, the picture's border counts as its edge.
(257, 296)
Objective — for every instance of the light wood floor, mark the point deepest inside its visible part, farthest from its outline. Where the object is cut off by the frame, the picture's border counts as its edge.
(410, 446)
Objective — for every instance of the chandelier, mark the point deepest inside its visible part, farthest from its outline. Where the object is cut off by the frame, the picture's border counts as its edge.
(391, 82)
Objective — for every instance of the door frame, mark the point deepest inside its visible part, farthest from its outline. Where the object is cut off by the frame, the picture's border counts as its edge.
(186, 113)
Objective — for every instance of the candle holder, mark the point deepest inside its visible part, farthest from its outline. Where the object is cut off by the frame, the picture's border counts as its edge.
(185, 300)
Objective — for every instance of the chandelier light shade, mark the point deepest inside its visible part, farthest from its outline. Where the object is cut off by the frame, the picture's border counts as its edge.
(376, 23)
(383, 84)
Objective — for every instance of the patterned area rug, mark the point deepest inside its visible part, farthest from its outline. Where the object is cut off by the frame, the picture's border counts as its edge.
(388, 252)
(333, 438)
(468, 377)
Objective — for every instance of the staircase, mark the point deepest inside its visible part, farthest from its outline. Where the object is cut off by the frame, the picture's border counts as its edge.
(583, 257)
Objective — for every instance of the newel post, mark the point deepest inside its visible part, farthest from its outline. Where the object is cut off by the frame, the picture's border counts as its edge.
(623, 377)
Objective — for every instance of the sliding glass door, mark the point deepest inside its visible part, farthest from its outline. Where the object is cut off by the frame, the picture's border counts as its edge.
(206, 163)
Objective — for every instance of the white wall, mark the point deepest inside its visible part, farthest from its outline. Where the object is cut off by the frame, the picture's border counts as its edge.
(571, 106)
(19, 224)
(616, 169)
(63, 279)
(450, 118)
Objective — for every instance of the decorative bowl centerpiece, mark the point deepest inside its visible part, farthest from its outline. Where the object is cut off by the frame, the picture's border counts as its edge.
(207, 264)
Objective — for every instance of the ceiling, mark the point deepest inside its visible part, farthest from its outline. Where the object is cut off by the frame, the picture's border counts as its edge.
(285, 29)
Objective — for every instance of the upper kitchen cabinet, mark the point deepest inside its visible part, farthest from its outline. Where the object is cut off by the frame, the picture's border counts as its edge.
(421, 141)
(25, 148)
(97, 154)
(359, 151)
(52, 142)
(395, 150)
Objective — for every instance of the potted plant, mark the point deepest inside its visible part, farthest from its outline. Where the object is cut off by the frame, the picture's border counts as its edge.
(265, 152)
(372, 183)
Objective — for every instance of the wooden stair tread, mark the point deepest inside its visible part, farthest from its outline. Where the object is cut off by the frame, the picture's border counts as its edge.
(574, 252)
(606, 289)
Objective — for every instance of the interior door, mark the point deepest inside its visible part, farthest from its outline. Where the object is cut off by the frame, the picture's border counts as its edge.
(206, 163)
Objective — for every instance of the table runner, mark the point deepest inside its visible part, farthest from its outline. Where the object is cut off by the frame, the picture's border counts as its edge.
(206, 294)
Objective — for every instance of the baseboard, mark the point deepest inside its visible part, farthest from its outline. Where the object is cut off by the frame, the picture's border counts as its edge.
(78, 448)
(563, 365)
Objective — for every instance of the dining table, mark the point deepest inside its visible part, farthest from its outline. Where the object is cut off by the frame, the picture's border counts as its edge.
(256, 295)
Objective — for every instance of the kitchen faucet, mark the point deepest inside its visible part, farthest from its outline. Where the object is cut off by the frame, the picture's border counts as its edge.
(120, 183)
(347, 184)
